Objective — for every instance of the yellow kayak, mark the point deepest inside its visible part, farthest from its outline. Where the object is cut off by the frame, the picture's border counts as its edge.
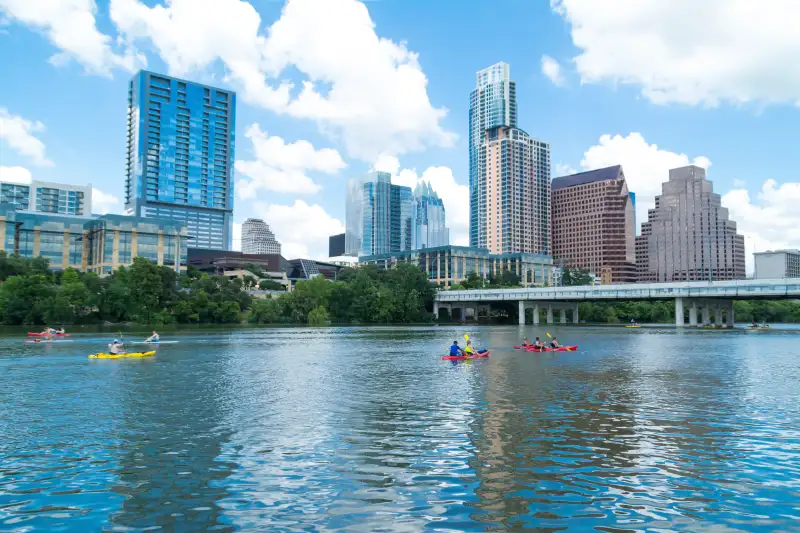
(632, 327)
(121, 355)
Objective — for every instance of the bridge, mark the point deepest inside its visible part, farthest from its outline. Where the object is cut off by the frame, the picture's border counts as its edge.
(704, 297)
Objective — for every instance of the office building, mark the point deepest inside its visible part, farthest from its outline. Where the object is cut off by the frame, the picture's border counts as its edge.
(378, 215)
(336, 245)
(777, 264)
(449, 265)
(688, 235)
(258, 239)
(593, 224)
(429, 220)
(44, 197)
(509, 176)
(92, 244)
(180, 156)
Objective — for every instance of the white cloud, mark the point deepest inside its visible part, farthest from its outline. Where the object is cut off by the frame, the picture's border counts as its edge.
(563, 170)
(687, 51)
(769, 222)
(281, 167)
(552, 70)
(103, 203)
(19, 133)
(15, 175)
(71, 26)
(646, 166)
(302, 229)
(367, 91)
(454, 195)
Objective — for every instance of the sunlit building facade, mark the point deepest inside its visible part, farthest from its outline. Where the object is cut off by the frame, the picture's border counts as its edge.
(257, 238)
(92, 244)
(378, 215)
(180, 156)
(688, 236)
(509, 172)
(45, 197)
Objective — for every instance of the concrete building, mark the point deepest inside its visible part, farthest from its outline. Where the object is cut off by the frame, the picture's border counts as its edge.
(688, 235)
(593, 224)
(448, 265)
(509, 176)
(44, 197)
(257, 238)
(429, 222)
(92, 244)
(180, 155)
(777, 264)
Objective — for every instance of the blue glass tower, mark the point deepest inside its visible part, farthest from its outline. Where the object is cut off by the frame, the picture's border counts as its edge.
(180, 156)
(379, 216)
(428, 218)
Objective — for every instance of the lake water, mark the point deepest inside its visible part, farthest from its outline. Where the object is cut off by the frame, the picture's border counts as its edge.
(366, 429)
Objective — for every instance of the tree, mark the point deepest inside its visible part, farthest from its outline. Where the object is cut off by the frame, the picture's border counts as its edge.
(575, 277)
(270, 285)
(318, 316)
(26, 299)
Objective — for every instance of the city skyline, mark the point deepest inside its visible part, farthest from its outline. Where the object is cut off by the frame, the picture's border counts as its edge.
(291, 168)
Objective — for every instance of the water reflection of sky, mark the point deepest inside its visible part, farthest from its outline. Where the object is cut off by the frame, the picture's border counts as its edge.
(367, 429)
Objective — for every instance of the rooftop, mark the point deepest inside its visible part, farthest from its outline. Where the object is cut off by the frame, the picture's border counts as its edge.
(591, 176)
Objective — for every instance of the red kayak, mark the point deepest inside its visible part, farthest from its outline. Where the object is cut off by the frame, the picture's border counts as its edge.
(478, 355)
(33, 334)
(559, 349)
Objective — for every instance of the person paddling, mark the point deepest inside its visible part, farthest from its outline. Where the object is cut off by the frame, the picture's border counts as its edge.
(554, 343)
(526, 342)
(538, 343)
(153, 338)
(455, 349)
(116, 347)
(468, 350)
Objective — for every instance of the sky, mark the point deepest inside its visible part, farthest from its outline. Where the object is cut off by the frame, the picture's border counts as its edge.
(331, 89)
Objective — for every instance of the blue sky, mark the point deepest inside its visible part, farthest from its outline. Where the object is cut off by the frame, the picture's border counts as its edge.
(647, 84)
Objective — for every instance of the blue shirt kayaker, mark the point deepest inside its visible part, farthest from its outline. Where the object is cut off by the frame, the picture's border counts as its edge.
(455, 349)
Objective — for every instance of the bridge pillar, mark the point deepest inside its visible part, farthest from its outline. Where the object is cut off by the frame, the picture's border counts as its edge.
(549, 313)
(563, 316)
(706, 314)
(535, 314)
(436, 309)
(718, 315)
(679, 312)
(730, 316)
(575, 315)
(521, 313)
(693, 314)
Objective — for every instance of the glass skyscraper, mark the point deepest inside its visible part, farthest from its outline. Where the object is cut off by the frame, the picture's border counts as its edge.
(428, 218)
(378, 215)
(509, 172)
(180, 156)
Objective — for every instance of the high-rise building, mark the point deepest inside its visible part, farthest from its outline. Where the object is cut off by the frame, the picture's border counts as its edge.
(378, 215)
(336, 245)
(593, 224)
(509, 172)
(428, 215)
(257, 238)
(180, 156)
(45, 197)
(774, 264)
(688, 235)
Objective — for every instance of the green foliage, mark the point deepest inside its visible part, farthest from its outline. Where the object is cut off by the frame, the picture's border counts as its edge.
(573, 277)
(270, 285)
(318, 316)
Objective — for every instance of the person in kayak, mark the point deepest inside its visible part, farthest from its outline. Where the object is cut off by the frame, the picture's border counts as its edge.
(60, 331)
(116, 347)
(455, 349)
(468, 350)
(538, 343)
(526, 342)
(554, 343)
(153, 338)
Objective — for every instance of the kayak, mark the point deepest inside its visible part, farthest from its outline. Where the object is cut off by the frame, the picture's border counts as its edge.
(121, 355)
(559, 349)
(34, 334)
(758, 327)
(633, 327)
(44, 341)
(155, 342)
(484, 353)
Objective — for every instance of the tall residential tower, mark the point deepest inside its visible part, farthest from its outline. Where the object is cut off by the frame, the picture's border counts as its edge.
(509, 172)
(257, 238)
(688, 235)
(180, 156)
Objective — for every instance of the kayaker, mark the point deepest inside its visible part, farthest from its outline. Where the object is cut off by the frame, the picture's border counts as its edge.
(554, 343)
(60, 331)
(153, 338)
(116, 347)
(538, 343)
(526, 342)
(455, 349)
(468, 348)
